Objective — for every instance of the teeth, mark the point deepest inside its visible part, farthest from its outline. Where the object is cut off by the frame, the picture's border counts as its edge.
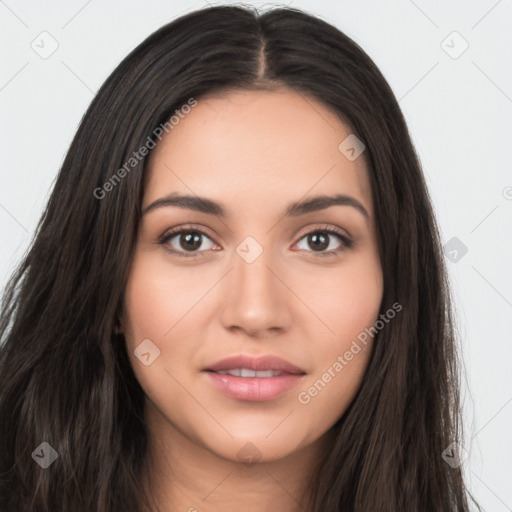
(244, 372)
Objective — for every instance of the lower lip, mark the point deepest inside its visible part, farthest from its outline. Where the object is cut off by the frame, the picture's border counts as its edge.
(254, 389)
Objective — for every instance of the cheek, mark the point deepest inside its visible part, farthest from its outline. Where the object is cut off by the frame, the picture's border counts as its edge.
(345, 300)
(159, 302)
(348, 303)
(159, 295)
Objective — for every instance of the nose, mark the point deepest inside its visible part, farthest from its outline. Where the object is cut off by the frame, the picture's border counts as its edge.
(257, 300)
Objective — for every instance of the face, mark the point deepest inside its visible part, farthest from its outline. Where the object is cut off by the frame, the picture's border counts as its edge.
(258, 281)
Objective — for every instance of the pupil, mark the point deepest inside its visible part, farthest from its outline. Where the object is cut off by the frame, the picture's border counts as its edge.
(314, 238)
(192, 241)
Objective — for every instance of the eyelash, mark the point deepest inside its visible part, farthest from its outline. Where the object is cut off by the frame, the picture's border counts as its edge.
(168, 235)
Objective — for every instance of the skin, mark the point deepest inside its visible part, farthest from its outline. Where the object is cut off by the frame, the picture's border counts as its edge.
(255, 152)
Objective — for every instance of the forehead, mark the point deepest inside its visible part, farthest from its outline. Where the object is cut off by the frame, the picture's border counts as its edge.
(250, 149)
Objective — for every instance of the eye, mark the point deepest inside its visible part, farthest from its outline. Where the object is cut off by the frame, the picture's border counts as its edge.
(320, 239)
(184, 240)
(190, 242)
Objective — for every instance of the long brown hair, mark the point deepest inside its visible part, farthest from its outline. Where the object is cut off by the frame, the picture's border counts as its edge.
(65, 376)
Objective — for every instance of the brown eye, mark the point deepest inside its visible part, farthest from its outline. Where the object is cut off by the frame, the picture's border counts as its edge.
(320, 240)
(183, 241)
(190, 241)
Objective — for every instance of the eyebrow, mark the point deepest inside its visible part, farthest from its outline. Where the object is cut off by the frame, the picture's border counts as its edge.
(208, 206)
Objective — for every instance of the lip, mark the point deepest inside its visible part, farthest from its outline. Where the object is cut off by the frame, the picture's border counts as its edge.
(254, 389)
(261, 363)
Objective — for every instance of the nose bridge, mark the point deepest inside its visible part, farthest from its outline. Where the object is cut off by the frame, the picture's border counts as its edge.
(255, 296)
(254, 278)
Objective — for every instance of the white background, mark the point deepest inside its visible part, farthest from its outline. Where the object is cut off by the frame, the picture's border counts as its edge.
(459, 112)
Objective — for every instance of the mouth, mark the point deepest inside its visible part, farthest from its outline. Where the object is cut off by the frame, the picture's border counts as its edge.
(249, 366)
(247, 373)
(254, 379)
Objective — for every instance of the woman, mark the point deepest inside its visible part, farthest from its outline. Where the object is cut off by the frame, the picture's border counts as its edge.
(236, 296)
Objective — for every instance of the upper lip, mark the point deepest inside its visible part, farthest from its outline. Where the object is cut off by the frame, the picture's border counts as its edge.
(261, 363)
